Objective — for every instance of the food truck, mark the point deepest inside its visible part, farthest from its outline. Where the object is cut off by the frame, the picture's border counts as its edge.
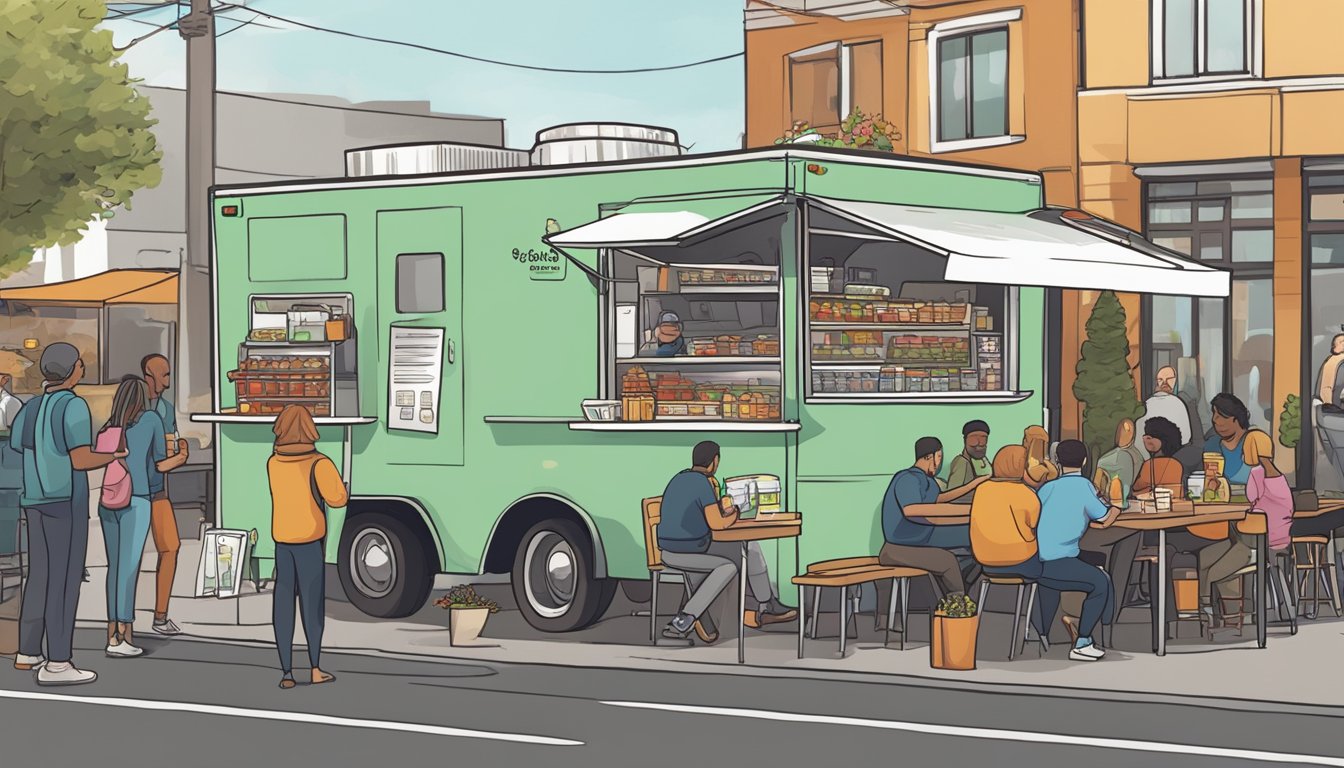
(505, 363)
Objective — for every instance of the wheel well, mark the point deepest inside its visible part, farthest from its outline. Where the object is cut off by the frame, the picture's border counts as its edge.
(404, 510)
(515, 522)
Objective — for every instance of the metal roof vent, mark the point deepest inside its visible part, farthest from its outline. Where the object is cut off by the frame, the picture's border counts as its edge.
(411, 159)
(603, 143)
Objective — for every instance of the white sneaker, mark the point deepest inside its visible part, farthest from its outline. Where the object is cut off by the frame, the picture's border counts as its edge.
(1086, 653)
(68, 676)
(24, 662)
(123, 650)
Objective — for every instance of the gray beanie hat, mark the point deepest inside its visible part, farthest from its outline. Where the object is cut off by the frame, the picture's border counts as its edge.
(58, 361)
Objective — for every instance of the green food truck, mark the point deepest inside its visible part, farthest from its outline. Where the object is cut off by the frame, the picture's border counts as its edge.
(505, 363)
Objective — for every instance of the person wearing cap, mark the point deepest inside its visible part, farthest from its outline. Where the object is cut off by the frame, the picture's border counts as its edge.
(55, 435)
(971, 462)
(914, 544)
(667, 338)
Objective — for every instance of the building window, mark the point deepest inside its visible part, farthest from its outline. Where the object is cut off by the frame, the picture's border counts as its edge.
(1325, 240)
(1201, 38)
(828, 82)
(969, 82)
(973, 86)
(1217, 345)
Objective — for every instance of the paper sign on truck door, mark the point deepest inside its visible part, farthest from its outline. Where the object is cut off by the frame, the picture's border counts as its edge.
(415, 375)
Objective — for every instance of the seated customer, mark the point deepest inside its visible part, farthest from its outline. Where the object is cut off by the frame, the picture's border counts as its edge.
(1161, 438)
(915, 544)
(1040, 469)
(1004, 516)
(1069, 505)
(691, 510)
(971, 462)
(1123, 460)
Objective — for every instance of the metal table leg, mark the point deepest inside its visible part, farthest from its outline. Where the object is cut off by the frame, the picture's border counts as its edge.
(1160, 599)
(1261, 616)
(742, 608)
(802, 617)
(1332, 558)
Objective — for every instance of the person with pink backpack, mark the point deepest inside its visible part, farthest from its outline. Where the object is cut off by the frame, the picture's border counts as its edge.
(124, 504)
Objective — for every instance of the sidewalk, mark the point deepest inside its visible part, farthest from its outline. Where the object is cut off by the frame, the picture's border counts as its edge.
(1287, 673)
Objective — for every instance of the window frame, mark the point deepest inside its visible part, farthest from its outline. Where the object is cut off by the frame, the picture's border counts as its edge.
(967, 27)
(443, 293)
(844, 53)
(1252, 53)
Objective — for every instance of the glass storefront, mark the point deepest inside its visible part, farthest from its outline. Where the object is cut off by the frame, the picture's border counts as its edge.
(1216, 345)
(1325, 242)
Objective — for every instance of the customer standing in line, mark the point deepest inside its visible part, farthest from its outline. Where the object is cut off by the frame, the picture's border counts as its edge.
(304, 483)
(126, 528)
(163, 523)
(54, 434)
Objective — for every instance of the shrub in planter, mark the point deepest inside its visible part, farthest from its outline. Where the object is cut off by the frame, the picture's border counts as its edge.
(1290, 422)
(858, 131)
(467, 613)
(956, 622)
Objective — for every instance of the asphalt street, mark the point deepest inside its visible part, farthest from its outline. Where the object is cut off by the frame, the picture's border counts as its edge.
(208, 704)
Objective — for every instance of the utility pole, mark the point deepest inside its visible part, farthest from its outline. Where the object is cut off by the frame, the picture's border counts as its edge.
(194, 336)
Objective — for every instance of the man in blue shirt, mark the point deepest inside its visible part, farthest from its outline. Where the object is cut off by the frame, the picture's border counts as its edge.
(691, 510)
(1069, 505)
(915, 544)
(54, 434)
(163, 522)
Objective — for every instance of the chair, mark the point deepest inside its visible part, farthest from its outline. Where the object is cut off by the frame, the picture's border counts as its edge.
(1277, 592)
(1024, 586)
(846, 573)
(1317, 570)
(652, 509)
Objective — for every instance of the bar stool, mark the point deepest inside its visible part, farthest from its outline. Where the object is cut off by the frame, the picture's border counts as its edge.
(1317, 570)
(1024, 586)
(1277, 591)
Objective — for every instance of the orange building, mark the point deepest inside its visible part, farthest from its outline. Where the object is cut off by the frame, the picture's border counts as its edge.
(1209, 125)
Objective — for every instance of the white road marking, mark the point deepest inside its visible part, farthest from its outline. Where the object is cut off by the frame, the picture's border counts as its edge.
(994, 734)
(289, 717)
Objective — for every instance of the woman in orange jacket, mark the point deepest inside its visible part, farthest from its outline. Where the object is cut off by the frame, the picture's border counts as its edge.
(303, 484)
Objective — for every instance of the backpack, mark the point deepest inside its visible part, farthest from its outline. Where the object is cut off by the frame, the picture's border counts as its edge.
(28, 435)
(116, 490)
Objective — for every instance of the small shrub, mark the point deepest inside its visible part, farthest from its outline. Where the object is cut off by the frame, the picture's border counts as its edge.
(961, 607)
(464, 596)
(1290, 422)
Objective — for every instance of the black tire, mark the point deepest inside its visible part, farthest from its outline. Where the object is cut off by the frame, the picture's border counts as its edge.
(411, 578)
(583, 598)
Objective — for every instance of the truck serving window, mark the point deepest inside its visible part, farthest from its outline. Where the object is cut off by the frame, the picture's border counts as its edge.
(883, 323)
(420, 283)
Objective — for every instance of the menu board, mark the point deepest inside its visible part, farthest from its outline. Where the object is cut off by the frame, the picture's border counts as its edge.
(414, 378)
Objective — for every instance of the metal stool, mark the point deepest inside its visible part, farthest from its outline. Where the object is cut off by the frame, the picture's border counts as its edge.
(1317, 570)
(1024, 586)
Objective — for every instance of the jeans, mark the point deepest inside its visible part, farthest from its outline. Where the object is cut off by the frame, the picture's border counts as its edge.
(711, 572)
(58, 540)
(299, 569)
(124, 534)
(1067, 575)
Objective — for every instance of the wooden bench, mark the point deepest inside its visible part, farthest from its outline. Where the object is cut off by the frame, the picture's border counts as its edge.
(848, 572)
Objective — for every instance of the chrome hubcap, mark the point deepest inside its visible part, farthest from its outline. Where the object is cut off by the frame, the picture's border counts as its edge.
(375, 563)
(550, 575)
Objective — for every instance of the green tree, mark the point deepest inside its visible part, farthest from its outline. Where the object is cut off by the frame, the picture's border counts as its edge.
(74, 132)
(1290, 422)
(1103, 382)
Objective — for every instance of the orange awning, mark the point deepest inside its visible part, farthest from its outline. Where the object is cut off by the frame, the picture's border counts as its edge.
(116, 286)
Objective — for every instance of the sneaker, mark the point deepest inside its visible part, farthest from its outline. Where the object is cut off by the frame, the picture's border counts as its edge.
(123, 650)
(679, 627)
(1088, 652)
(23, 662)
(783, 617)
(166, 627)
(68, 676)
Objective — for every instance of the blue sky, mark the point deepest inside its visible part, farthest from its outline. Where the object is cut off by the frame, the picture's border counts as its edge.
(704, 104)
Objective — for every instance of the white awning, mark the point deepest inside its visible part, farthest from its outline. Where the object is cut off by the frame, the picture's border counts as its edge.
(1050, 248)
(662, 223)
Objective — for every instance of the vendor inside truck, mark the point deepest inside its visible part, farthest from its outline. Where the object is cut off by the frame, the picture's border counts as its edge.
(667, 339)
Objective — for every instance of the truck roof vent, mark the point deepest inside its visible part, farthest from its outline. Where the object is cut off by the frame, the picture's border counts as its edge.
(602, 142)
(410, 159)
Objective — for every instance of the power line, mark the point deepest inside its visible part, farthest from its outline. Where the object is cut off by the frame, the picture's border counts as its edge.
(496, 62)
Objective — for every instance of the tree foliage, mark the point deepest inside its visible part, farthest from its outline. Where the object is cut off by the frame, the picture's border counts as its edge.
(1103, 383)
(1290, 422)
(74, 132)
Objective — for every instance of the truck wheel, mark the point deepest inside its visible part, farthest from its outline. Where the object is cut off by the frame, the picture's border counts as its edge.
(386, 568)
(553, 581)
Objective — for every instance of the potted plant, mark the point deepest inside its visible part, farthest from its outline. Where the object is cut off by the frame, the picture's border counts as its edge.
(956, 622)
(467, 612)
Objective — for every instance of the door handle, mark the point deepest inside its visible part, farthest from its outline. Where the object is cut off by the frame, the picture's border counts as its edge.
(452, 353)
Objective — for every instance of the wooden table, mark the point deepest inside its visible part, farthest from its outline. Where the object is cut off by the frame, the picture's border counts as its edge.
(945, 513)
(779, 526)
(1166, 521)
